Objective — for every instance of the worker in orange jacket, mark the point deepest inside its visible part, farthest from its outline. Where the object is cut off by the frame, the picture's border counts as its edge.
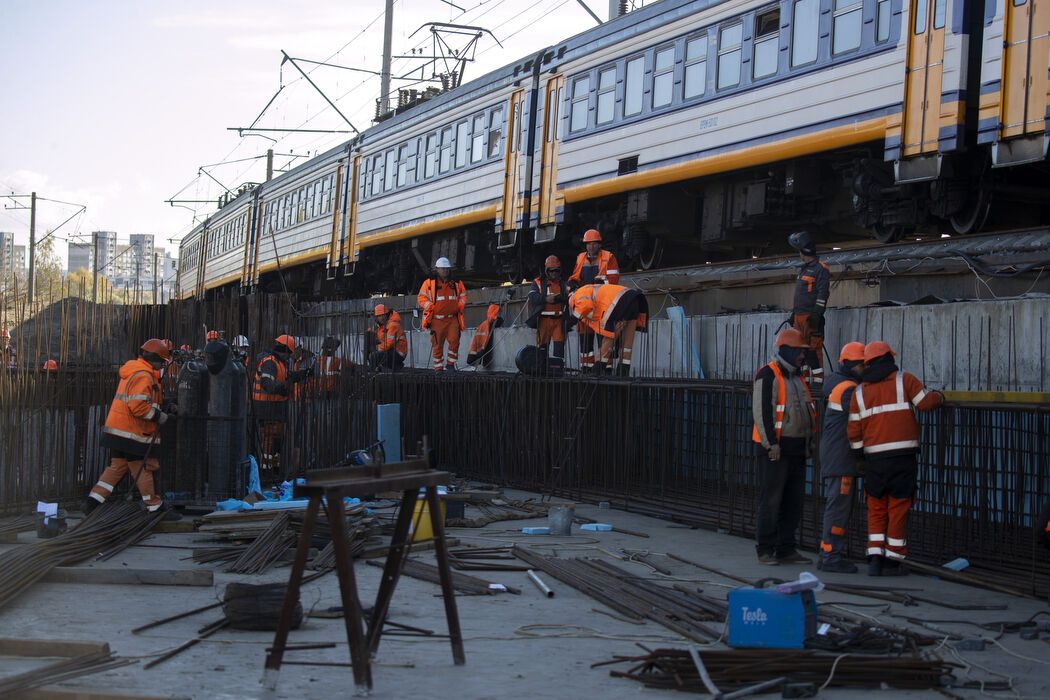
(593, 266)
(132, 428)
(391, 342)
(481, 344)
(270, 390)
(443, 299)
(548, 300)
(884, 432)
(615, 313)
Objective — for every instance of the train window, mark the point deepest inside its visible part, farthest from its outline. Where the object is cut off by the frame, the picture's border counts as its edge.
(477, 139)
(729, 39)
(632, 90)
(920, 16)
(767, 43)
(695, 82)
(377, 181)
(402, 165)
(606, 95)
(517, 127)
(845, 31)
(663, 77)
(430, 160)
(581, 92)
(557, 112)
(446, 149)
(939, 8)
(462, 143)
(805, 32)
(389, 170)
(883, 13)
(495, 131)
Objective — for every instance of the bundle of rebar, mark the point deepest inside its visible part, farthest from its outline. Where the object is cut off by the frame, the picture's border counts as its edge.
(677, 609)
(484, 559)
(738, 669)
(109, 529)
(467, 585)
(17, 524)
(267, 548)
(64, 670)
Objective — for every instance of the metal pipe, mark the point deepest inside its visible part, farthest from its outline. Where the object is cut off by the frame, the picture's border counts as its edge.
(544, 588)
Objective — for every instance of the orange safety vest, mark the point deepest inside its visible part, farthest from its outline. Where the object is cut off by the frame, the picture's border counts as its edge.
(442, 299)
(549, 310)
(392, 335)
(593, 304)
(258, 392)
(608, 268)
(882, 414)
(135, 410)
(778, 416)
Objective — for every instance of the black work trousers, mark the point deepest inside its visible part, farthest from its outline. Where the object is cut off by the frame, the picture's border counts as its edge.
(781, 487)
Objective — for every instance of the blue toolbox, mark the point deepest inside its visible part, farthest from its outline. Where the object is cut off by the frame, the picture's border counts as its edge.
(764, 618)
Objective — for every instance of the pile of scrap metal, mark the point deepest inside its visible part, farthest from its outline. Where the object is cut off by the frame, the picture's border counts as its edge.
(494, 509)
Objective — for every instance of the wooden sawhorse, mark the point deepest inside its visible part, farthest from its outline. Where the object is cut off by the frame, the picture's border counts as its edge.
(329, 487)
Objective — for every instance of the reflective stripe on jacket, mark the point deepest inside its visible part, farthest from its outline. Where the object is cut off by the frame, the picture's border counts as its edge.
(132, 422)
(392, 335)
(271, 377)
(593, 304)
(442, 299)
(812, 287)
(882, 418)
(761, 409)
(602, 269)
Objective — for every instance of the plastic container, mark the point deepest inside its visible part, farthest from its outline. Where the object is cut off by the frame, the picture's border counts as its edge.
(559, 518)
(420, 529)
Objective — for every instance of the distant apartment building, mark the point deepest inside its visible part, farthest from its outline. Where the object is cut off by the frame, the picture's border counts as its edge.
(12, 257)
(80, 257)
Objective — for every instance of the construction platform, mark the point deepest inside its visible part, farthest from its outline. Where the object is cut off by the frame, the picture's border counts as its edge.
(524, 645)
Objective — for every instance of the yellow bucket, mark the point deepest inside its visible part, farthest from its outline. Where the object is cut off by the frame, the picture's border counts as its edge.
(421, 530)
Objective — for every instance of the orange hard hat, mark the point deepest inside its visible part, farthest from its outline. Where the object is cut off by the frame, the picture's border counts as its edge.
(852, 352)
(381, 310)
(592, 236)
(791, 338)
(552, 263)
(157, 347)
(212, 335)
(287, 341)
(185, 347)
(876, 349)
(51, 365)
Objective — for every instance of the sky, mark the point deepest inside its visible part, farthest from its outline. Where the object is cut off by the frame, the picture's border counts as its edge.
(116, 104)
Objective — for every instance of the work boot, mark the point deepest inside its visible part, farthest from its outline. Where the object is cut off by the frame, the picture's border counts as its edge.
(768, 559)
(875, 565)
(450, 367)
(90, 504)
(623, 370)
(892, 567)
(836, 565)
(599, 369)
(793, 557)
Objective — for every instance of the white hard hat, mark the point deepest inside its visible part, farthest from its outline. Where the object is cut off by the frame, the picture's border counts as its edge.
(443, 263)
(240, 342)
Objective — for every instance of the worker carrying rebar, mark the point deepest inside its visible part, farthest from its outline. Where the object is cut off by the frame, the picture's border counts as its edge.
(593, 266)
(548, 313)
(615, 314)
(884, 432)
(132, 428)
(270, 390)
(391, 342)
(443, 299)
(838, 465)
(785, 424)
(812, 288)
(481, 344)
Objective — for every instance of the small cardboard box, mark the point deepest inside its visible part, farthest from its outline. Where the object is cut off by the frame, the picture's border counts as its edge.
(763, 618)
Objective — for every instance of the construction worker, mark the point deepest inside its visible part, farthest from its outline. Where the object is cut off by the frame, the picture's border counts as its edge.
(391, 342)
(50, 366)
(593, 266)
(242, 350)
(8, 358)
(615, 313)
(481, 345)
(884, 432)
(273, 381)
(132, 428)
(811, 299)
(838, 466)
(547, 313)
(785, 423)
(443, 299)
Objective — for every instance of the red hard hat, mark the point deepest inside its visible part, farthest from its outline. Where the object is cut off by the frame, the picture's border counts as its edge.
(852, 352)
(287, 341)
(876, 349)
(381, 310)
(186, 347)
(157, 347)
(51, 365)
(552, 263)
(592, 236)
(791, 338)
(212, 335)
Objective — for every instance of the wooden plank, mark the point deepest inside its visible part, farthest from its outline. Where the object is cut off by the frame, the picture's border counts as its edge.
(122, 576)
(16, 646)
(57, 693)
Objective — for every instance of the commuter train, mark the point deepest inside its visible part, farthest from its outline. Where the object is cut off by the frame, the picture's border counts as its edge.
(684, 131)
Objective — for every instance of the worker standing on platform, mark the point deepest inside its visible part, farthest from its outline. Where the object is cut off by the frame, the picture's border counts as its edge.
(593, 266)
(481, 344)
(838, 466)
(242, 350)
(132, 428)
(884, 432)
(270, 390)
(391, 342)
(811, 299)
(785, 423)
(615, 313)
(443, 299)
(548, 300)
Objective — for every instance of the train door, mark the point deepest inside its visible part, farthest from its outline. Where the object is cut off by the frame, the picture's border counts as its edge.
(254, 220)
(549, 199)
(1026, 54)
(510, 212)
(202, 262)
(352, 198)
(922, 88)
(335, 252)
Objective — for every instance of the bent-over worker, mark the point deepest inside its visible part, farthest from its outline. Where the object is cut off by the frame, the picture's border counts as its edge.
(615, 313)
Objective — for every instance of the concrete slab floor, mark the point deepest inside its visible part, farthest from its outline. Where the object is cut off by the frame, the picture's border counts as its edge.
(516, 645)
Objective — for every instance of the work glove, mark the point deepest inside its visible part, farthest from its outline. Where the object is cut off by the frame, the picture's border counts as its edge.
(774, 453)
(164, 417)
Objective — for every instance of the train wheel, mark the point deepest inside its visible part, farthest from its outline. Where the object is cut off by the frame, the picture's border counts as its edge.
(650, 257)
(974, 215)
(888, 233)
